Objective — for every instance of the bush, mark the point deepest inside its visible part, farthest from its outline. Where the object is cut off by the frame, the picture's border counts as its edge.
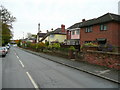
(56, 45)
(106, 48)
(50, 46)
(28, 44)
(63, 49)
(33, 45)
(72, 48)
(18, 44)
(88, 45)
(40, 45)
(47, 43)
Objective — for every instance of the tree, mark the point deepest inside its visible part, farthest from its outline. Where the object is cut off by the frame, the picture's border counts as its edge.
(6, 16)
(6, 20)
(29, 35)
(6, 34)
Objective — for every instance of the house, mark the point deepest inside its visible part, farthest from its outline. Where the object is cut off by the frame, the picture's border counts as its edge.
(102, 30)
(58, 35)
(40, 36)
(73, 35)
(31, 38)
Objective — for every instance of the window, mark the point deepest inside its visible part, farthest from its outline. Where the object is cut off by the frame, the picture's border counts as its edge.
(52, 36)
(77, 32)
(103, 27)
(73, 32)
(87, 41)
(88, 29)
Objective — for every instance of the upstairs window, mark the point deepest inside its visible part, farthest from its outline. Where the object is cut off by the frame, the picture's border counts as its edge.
(77, 32)
(52, 36)
(73, 32)
(103, 27)
(88, 29)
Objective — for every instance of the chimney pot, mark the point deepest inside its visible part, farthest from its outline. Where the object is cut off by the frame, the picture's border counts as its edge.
(47, 31)
(63, 28)
(83, 20)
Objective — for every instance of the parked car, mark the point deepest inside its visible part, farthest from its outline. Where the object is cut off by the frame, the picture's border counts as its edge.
(8, 47)
(3, 51)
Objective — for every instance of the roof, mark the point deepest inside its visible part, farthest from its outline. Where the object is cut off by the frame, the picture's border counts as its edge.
(41, 34)
(102, 19)
(56, 31)
(47, 34)
(76, 25)
(108, 17)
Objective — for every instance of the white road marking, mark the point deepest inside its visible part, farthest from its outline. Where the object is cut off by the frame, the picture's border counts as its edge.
(15, 54)
(31, 79)
(21, 63)
(17, 57)
(105, 71)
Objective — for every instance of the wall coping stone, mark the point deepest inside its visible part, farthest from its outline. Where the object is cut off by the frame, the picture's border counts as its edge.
(113, 53)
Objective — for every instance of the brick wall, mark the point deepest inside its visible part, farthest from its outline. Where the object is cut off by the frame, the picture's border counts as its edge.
(111, 60)
(68, 34)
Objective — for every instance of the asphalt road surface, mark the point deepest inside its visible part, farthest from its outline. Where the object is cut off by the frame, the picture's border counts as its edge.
(21, 69)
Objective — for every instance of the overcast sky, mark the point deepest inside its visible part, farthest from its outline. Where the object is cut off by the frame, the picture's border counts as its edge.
(53, 13)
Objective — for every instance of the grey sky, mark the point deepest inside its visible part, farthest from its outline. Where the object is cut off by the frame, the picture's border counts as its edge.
(53, 13)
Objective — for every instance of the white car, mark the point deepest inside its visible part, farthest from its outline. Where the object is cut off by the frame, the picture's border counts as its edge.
(3, 51)
(6, 49)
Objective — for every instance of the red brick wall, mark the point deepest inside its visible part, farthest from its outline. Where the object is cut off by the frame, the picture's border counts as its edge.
(103, 59)
(63, 28)
(68, 35)
(112, 34)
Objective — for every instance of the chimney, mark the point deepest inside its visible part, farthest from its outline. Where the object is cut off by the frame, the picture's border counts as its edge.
(47, 31)
(83, 20)
(63, 28)
(51, 29)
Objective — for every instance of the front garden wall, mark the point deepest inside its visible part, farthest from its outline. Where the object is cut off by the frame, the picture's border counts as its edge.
(111, 60)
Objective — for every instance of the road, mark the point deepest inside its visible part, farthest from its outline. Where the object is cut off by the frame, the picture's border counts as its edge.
(21, 69)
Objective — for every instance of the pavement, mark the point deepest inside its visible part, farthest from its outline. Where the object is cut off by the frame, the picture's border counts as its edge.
(99, 71)
(0, 72)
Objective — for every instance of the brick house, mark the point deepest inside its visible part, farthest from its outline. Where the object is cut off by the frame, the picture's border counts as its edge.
(73, 35)
(102, 30)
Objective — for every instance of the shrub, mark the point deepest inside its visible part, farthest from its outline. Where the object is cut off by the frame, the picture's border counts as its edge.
(50, 46)
(47, 43)
(28, 44)
(18, 44)
(40, 45)
(72, 48)
(33, 45)
(106, 48)
(88, 45)
(56, 45)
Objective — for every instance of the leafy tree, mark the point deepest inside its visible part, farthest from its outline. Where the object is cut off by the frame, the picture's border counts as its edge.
(6, 34)
(6, 16)
(6, 20)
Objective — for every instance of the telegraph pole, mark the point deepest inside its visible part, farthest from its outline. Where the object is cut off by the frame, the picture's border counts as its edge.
(39, 27)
